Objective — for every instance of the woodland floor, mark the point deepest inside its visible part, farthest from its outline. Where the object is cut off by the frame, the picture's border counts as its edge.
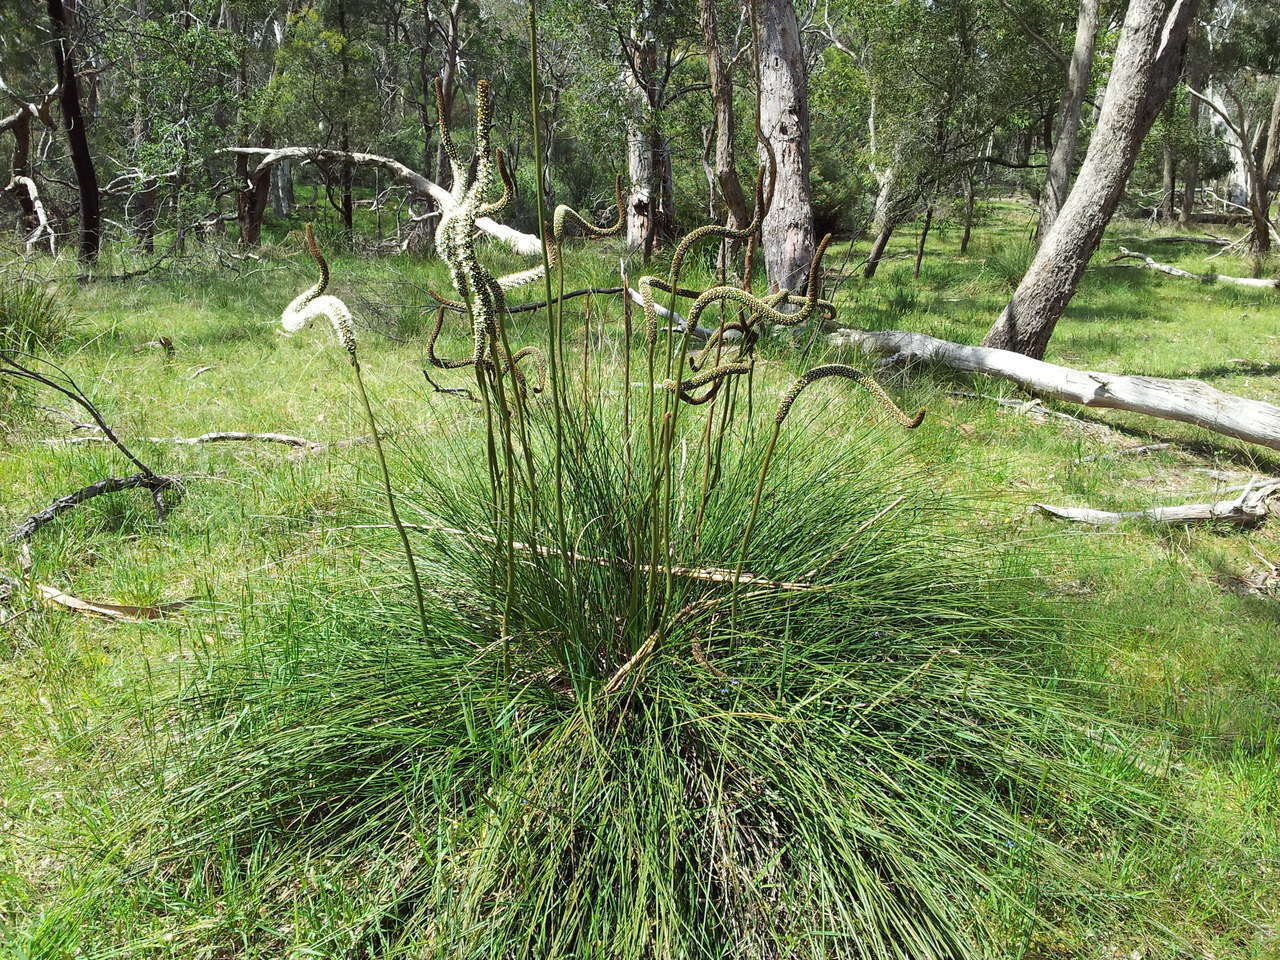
(1191, 615)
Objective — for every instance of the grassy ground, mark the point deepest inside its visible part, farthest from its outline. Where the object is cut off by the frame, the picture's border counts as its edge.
(1190, 616)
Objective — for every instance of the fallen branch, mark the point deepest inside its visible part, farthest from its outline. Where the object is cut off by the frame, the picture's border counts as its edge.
(1246, 510)
(1187, 401)
(223, 437)
(146, 481)
(1150, 264)
(1209, 241)
(1125, 452)
(525, 244)
(121, 612)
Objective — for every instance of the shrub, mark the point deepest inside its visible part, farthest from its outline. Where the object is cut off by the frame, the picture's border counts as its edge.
(32, 316)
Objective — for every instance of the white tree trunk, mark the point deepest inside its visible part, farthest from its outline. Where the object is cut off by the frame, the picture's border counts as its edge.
(784, 119)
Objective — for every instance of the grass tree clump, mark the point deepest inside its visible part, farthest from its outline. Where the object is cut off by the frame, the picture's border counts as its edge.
(695, 683)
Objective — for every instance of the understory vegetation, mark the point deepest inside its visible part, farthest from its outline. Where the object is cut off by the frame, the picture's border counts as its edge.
(926, 723)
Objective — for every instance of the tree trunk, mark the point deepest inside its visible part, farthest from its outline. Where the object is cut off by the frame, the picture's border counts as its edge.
(282, 189)
(644, 156)
(924, 235)
(877, 249)
(1067, 129)
(721, 81)
(968, 213)
(1267, 177)
(1196, 70)
(784, 120)
(77, 138)
(1147, 64)
(251, 199)
(20, 166)
(347, 175)
(1168, 180)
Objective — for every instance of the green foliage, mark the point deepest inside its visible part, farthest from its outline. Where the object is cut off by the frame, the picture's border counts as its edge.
(33, 316)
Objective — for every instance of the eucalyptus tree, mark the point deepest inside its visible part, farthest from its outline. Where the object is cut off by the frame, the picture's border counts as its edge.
(938, 80)
(784, 123)
(1145, 68)
(1066, 130)
(1243, 95)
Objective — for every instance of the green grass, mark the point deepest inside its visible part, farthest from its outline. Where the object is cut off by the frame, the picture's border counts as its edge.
(1162, 628)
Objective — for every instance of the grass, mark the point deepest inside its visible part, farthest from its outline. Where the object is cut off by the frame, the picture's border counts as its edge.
(1176, 630)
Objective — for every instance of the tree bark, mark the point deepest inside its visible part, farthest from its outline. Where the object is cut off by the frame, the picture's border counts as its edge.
(721, 81)
(924, 236)
(1067, 129)
(77, 136)
(20, 166)
(1147, 64)
(877, 249)
(1197, 68)
(784, 119)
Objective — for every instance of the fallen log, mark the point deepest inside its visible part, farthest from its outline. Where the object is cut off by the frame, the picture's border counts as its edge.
(1207, 240)
(1246, 510)
(1187, 401)
(1150, 264)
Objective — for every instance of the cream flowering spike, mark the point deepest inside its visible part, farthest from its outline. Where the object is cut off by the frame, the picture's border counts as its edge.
(312, 303)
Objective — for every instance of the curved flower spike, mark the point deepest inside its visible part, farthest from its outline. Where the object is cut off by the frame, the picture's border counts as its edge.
(311, 304)
(565, 212)
(709, 376)
(507, 187)
(848, 373)
(766, 309)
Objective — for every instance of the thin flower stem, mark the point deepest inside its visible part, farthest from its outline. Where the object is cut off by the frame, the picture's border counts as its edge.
(391, 500)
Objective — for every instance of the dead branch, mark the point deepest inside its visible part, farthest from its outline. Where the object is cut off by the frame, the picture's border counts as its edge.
(525, 244)
(1125, 452)
(1150, 264)
(1246, 510)
(225, 436)
(1207, 240)
(42, 230)
(708, 574)
(147, 481)
(1187, 401)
